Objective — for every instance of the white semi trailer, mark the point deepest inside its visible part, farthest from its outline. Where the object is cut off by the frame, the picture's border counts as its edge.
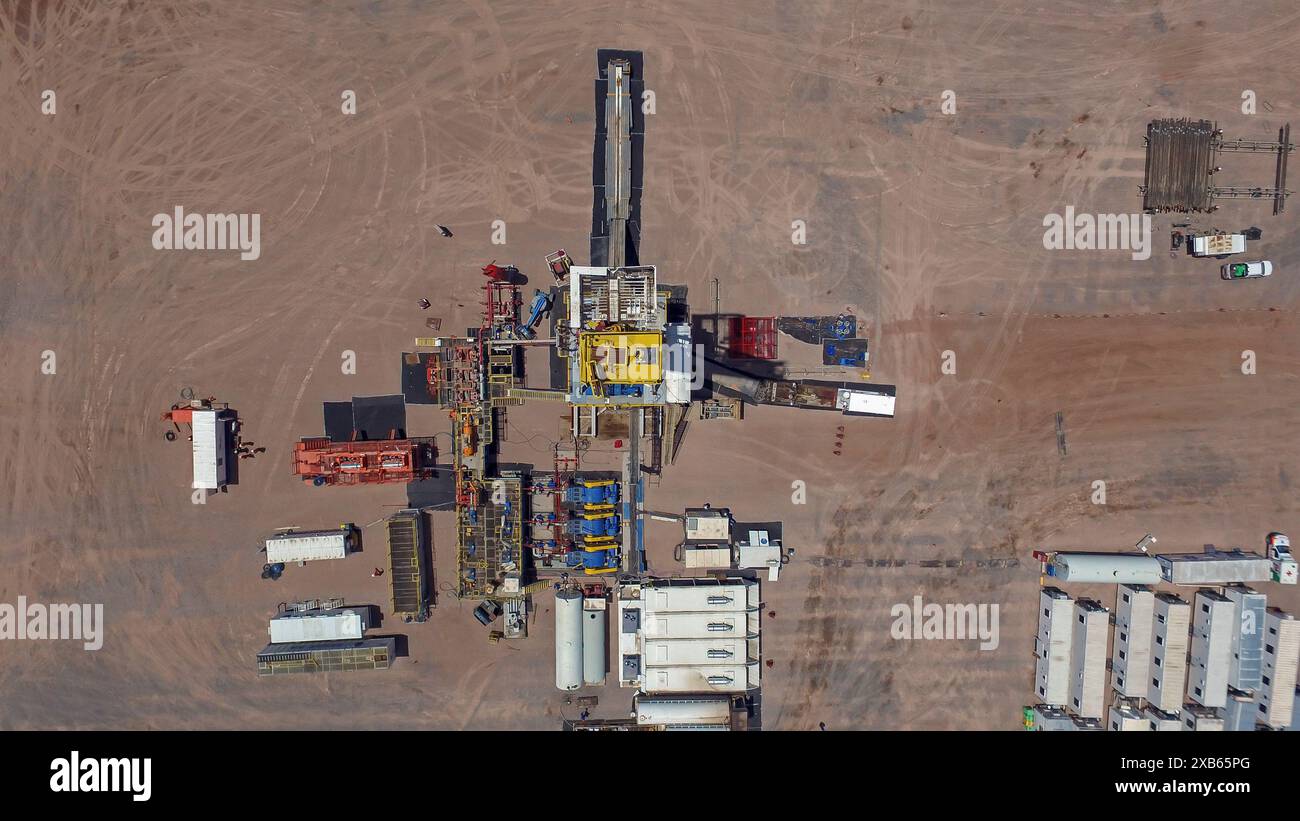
(1218, 245)
(311, 545)
(1214, 567)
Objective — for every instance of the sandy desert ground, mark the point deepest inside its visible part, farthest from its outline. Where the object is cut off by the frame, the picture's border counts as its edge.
(927, 225)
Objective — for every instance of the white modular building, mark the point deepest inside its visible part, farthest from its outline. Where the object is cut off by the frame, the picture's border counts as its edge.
(1088, 659)
(1052, 646)
(1198, 718)
(1211, 650)
(1049, 718)
(1162, 721)
(1247, 637)
(1125, 717)
(1131, 659)
(1169, 644)
(1239, 715)
(1275, 700)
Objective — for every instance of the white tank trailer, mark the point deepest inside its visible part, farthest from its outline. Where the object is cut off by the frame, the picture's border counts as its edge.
(1109, 568)
(568, 639)
(595, 653)
(687, 711)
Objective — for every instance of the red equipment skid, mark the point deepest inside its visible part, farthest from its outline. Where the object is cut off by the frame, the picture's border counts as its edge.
(358, 463)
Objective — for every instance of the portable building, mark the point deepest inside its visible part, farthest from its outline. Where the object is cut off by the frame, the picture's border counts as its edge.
(1162, 721)
(1198, 718)
(1275, 700)
(1052, 646)
(1125, 717)
(1088, 659)
(1247, 637)
(1169, 644)
(1131, 660)
(1211, 648)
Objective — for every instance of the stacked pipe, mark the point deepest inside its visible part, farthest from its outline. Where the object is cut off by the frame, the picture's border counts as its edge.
(1180, 154)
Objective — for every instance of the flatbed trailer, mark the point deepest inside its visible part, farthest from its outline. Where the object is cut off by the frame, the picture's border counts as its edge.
(1218, 245)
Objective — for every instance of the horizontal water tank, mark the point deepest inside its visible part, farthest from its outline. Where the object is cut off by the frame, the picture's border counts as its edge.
(1110, 568)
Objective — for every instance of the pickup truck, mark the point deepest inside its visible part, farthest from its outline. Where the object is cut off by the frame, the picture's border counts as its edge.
(1247, 270)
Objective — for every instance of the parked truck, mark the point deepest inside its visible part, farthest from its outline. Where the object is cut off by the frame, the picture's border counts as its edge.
(1283, 565)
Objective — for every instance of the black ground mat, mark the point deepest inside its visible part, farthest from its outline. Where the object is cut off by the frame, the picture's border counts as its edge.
(338, 421)
(437, 492)
(374, 417)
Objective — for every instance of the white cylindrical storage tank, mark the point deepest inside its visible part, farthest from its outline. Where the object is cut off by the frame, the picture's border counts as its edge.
(568, 639)
(594, 652)
(1109, 568)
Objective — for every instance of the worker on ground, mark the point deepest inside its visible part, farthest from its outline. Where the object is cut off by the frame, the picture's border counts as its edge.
(376, 573)
(444, 230)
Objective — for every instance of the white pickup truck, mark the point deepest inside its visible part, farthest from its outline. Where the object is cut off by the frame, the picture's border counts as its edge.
(1218, 245)
(1279, 553)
